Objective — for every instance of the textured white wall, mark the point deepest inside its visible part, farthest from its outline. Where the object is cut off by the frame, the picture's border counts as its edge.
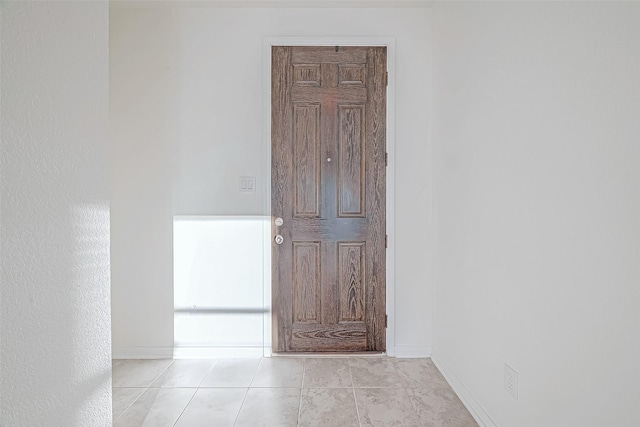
(216, 80)
(537, 201)
(55, 364)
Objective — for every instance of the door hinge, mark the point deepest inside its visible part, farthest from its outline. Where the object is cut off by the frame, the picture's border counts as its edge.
(386, 78)
(386, 320)
(386, 240)
(386, 159)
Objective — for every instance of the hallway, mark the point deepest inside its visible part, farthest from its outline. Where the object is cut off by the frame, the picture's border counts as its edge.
(281, 392)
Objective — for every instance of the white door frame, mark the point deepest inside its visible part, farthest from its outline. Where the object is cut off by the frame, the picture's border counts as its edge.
(389, 42)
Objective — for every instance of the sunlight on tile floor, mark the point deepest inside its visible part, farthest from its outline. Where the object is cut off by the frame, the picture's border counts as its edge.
(284, 391)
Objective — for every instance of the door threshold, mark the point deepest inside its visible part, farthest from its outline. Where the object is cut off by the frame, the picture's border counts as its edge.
(330, 355)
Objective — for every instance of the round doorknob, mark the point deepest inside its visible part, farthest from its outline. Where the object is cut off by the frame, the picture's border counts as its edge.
(279, 221)
(279, 239)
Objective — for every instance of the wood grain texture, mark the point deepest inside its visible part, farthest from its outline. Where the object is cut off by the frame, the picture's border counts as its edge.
(375, 314)
(327, 338)
(351, 280)
(306, 74)
(323, 95)
(351, 166)
(328, 54)
(329, 275)
(281, 190)
(306, 281)
(352, 74)
(306, 159)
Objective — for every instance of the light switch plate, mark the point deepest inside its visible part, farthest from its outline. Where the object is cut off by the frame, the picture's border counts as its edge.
(247, 184)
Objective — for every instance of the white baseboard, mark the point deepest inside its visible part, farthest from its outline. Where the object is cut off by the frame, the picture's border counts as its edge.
(215, 352)
(208, 352)
(410, 351)
(142, 352)
(475, 408)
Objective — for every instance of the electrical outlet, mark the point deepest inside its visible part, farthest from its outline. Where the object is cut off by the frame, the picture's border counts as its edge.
(511, 380)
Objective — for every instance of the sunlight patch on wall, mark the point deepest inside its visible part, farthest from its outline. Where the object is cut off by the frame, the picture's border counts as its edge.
(218, 285)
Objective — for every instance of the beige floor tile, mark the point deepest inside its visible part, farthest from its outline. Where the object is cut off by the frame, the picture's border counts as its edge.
(419, 373)
(137, 373)
(123, 398)
(389, 392)
(184, 373)
(270, 407)
(328, 407)
(156, 407)
(440, 407)
(231, 373)
(213, 407)
(279, 372)
(385, 407)
(374, 372)
(326, 373)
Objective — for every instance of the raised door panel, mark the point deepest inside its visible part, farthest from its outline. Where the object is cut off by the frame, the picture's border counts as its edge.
(306, 282)
(351, 176)
(351, 281)
(351, 74)
(306, 74)
(306, 159)
(340, 337)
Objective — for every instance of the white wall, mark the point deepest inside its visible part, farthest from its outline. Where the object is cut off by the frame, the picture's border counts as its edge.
(55, 366)
(218, 285)
(143, 114)
(219, 96)
(536, 139)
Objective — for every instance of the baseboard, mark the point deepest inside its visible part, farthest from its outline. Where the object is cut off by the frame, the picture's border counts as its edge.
(204, 352)
(475, 408)
(411, 351)
(402, 351)
(142, 352)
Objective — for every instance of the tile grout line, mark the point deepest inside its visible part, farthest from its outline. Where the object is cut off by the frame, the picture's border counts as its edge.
(195, 392)
(186, 406)
(255, 373)
(130, 405)
(247, 392)
(215, 361)
(241, 405)
(353, 389)
(146, 388)
(160, 374)
(304, 370)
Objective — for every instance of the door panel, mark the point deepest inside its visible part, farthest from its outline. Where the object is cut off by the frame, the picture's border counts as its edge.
(328, 186)
(351, 280)
(351, 168)
(306, 282)
(306, 159)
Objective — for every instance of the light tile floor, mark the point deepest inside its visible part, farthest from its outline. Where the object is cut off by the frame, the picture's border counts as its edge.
(283, 391)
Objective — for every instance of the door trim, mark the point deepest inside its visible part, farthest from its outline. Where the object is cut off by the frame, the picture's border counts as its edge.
(389, 42)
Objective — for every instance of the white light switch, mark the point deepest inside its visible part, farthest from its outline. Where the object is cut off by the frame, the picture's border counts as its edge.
(247, 184)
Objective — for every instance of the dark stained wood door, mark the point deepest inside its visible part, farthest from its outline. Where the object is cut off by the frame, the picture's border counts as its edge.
(328, 186)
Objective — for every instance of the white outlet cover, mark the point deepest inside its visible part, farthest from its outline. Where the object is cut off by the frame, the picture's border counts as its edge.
(511, 381)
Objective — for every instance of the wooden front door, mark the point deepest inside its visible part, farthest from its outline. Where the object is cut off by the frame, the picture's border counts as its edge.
(328, 187)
